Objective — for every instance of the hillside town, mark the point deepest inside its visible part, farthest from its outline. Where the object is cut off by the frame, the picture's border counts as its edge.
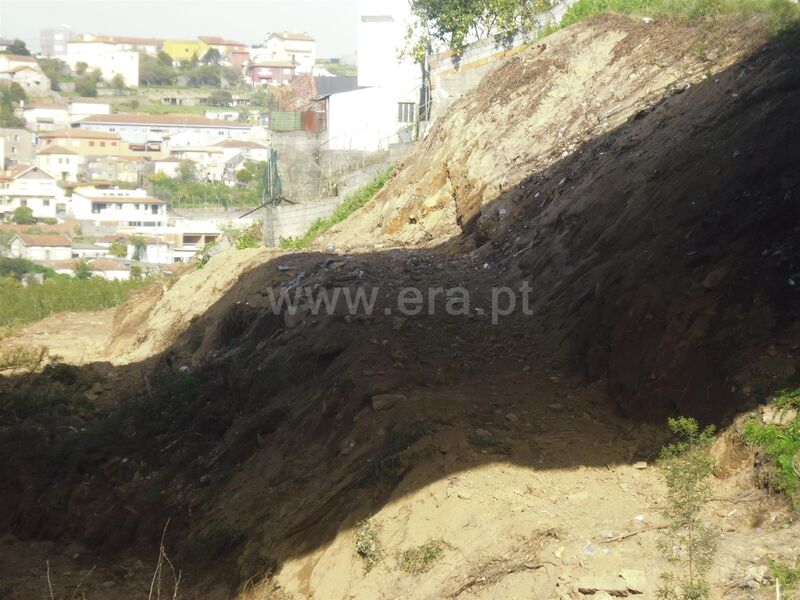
(166, 140)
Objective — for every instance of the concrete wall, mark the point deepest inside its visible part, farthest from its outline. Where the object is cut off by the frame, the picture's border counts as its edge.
(298, 163)
(293, 220)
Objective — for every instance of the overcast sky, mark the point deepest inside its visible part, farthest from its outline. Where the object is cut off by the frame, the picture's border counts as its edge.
(331, 22)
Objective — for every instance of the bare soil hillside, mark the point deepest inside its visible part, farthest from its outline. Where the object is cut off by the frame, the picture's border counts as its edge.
(641, 177)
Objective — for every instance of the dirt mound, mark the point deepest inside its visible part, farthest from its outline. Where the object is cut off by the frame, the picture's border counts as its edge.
(640, 176)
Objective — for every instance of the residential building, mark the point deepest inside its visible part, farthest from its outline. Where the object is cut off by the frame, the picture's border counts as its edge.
(141, 129)
(104, 55)
(18, 144)
(168, 166)
(126, 169)
(183, 50)
(40, 247)
(32, 187)
(270, 73)
(147, 249)
(298, 49)
(222, 114)
(113, 270)
(5, 44)
(25, 71)
(53, 42)
(246, 149)
(234, 53)
(123, 43)
(61, 162)
(208, 160)
(80, 108)
(386, 107)
(85, 142)
(83, 251)
(128, 208)
(43, 115)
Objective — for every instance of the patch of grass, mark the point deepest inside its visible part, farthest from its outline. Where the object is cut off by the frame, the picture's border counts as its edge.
(368, 545)
(20, 305)
(27, 358)
(781, 443)
(787, 399)
(778, 14)
(788, 575)
(344, 210)
(421, 559)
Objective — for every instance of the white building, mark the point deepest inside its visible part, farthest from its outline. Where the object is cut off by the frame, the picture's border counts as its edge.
(44, 115)
(41, 247)
(110, 269)
(125, 208)
(106, 57)
(300, 49)
(32, 187)
(53, 42)
(62, 162)
(80, 108)
(25, 71)
(385, 110)
(156, 129)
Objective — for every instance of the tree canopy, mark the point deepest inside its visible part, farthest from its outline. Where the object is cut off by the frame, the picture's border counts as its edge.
(454, 23)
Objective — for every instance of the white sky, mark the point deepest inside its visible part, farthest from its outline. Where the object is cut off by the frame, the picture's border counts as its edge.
(332, 22)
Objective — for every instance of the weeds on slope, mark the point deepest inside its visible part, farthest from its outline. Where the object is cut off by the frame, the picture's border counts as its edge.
(778, 14)
(689, 544)
(781, 443)
(20, 305)
(344, 210)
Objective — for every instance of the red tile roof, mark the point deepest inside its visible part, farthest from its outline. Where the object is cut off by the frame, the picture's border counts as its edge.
(85, 134)
(52, 241)
(240, 144)
(55, 149)
(105, 264)
(126, 200)
(18, 58)
(300, 37)
(143, 119)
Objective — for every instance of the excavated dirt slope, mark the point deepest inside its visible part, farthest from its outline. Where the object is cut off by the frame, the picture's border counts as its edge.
(642, 177)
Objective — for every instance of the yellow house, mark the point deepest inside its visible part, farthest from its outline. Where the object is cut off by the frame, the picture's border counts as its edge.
(181, 50)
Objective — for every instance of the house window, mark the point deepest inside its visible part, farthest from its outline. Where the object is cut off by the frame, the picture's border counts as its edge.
(45, 202)
(23, 203)
(102, 144)
(405, 112)
(91, 144)
(97, 207)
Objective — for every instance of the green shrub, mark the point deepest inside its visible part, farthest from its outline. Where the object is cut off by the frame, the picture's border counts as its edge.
(246, 240)
(20, 305)
(368, 546)
(421, 559)
(23, 215)
(689, 544)
(344, 210)
(778, 13)
(781, 443)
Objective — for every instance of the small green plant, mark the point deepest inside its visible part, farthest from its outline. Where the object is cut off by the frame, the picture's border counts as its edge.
(421, 559)
(344, 210)
(781, 443)
(368, 545)
(689, 545)
(788, 575)
(23, 215)
(246, 240)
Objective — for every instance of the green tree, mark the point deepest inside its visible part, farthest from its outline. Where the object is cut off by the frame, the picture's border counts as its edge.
(118, 83)
(118, 249)
(55, 70)
(81, 68)
(83, 270)
(452, 23)
(86, 84)
(153, 71)
(212, 57)
(187, 171)
(220, 98)
(23, 215)
(164, 59)
(204, 76)
(689, 544)
(139, 246)
(19, 48)
(16, 93)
